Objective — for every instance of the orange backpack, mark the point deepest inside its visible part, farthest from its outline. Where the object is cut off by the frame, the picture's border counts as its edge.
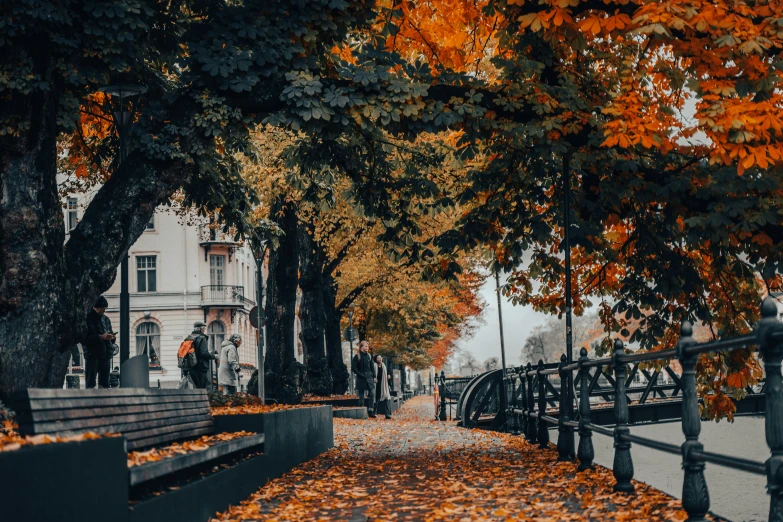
(186, 355)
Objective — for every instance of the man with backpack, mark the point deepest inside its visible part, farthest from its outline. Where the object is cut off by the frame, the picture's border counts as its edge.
(194, 357)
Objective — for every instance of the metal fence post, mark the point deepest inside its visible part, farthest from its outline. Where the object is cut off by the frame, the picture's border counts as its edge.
(623, 464)
(695, 497)
(514, 403)
(586, 453)
(543, 429)
(772, 352)
(523, 386)
(531, 407)
(442, 389)
(565, 438)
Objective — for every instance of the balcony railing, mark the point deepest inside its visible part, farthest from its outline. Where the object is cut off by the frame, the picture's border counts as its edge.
(222, 295)
(215, 236)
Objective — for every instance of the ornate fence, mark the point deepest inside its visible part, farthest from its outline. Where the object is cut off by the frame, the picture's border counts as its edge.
(533, 392)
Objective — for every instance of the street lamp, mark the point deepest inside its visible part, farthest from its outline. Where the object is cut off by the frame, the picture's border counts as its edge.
(261, 324)
(504, 390)
(351, 310)
(119, 101)
(567, 247)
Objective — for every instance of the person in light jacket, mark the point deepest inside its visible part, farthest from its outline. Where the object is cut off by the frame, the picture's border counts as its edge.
(382, 392)
(229, 365)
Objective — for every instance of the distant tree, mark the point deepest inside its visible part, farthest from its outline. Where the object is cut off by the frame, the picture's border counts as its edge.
(548, 341)
(491, 364)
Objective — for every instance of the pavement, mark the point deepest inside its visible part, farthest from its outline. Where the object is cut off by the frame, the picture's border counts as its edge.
(414, 467)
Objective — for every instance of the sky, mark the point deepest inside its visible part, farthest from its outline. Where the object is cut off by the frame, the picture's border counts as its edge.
(518, 321)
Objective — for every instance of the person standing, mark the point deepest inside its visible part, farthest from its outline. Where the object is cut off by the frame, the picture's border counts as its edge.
(362, 367)
(199, 374)
(382, 392)
(98, 346)
(229, 365)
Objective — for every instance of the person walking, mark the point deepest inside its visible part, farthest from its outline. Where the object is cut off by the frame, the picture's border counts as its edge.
(229, 365)
(382, 392)
(99, 346)
(362, 367)
(199, 374)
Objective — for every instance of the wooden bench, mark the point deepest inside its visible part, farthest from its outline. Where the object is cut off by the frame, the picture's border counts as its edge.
(145, 417)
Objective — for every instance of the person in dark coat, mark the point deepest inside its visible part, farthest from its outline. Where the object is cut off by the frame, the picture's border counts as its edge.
(362, 366)
(382, 392)
(199, 374)
(98, 346)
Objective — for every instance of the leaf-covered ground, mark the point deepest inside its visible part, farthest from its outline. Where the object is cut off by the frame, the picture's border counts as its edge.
(415, 468)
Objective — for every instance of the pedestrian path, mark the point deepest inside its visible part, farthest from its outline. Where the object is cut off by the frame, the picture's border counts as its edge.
(413, 467)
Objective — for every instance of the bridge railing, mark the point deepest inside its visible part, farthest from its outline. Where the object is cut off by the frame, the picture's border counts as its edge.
(532, 394)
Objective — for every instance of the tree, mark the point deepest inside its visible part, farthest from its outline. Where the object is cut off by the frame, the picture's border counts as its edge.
(468, 364)
(547, 342)
(493, 363)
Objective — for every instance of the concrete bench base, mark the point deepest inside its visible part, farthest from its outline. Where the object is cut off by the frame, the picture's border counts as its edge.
(89, 481)
(353, 413)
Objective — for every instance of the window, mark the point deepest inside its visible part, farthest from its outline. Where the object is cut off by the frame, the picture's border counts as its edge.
(71, 214)
(216, 333)
(148, 340)
(151, 223)
(216, 265)
(146, 269)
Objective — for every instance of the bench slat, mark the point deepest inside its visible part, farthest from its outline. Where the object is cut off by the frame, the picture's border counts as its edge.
(87, 413)
(169, 428)
(93, 402)
(169, 437)
(121, 423)
(51, 393)
(153, 470)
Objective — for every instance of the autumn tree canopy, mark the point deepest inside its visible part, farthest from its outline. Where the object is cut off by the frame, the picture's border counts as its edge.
(675, 214)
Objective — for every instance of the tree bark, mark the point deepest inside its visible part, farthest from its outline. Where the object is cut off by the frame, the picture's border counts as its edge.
(284, 375)
(334, 338)
(311, 312)
(33, 309)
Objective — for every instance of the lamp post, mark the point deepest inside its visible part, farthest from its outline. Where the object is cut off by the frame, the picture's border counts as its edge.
(122, 114)
(261, 326)
(504, 390)
(351, 310)
(567, 247)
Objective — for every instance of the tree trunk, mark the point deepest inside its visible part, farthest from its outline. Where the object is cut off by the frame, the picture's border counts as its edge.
(334, 339)
(47, 288)
(311, 312)
(284, 375)
(33, 309)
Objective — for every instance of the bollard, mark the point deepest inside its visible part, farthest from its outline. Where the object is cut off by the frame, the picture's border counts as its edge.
(586, 453)
(771, 350)
(623, 464)
(442, 388)
(565, 440)
(531, 424)
(695, 497)
(543, 430)
(523, 387)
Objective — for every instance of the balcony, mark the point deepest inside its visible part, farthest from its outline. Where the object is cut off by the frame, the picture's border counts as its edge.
(207, 235)
(222, 296)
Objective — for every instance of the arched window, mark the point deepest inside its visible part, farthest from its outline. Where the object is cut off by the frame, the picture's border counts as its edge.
(217, 334)
(148, 340)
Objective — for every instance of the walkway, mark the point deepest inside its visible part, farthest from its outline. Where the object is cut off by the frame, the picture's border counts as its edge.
(415, 468)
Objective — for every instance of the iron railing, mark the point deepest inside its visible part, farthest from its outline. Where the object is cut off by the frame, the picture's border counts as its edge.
(533, 420)
(215, 295)
(450, 389)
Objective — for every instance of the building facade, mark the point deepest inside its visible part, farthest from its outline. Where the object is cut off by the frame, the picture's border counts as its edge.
(181, 272)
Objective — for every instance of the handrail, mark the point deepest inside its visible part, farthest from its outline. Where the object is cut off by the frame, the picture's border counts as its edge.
(534, 394)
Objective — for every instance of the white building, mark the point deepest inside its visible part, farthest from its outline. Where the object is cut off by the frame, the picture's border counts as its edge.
(180, 273)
